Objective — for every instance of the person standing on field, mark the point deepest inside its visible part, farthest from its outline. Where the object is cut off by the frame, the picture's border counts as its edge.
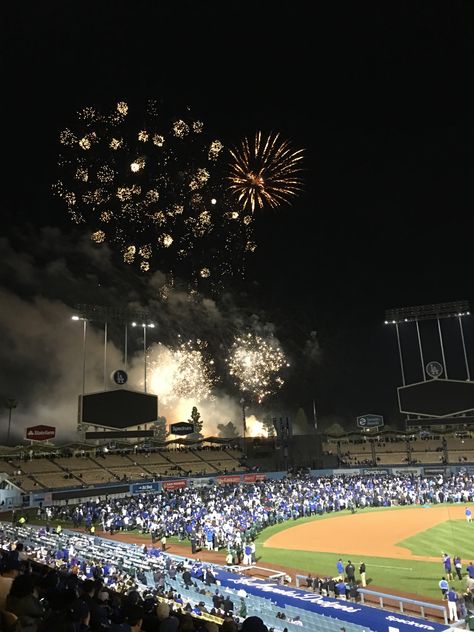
(340, 567)
(350, 572)
(448, 569)
(443, 586)
(458, 566)
(452, 605)
(362, 574)
(468, 514)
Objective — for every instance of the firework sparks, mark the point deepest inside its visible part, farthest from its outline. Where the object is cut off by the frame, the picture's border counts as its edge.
(265, 171)
(255, 363)
(149, 184)
(182, 373)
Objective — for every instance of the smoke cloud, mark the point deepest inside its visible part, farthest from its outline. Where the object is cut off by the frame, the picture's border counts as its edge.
(44, 276)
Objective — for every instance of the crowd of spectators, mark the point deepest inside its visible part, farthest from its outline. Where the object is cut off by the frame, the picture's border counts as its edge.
(55, 582)
(211, 516)
(230, 516)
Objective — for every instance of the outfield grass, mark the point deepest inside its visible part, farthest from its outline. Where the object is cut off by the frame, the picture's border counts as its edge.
(455, 537)
(412, 576)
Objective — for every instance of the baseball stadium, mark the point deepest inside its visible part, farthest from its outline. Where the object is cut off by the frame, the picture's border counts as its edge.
(364, 530)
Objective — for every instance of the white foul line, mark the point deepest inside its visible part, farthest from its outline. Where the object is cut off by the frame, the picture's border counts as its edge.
(402, 568)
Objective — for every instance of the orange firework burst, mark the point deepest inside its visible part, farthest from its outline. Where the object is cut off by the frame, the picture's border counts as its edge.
(265, 171)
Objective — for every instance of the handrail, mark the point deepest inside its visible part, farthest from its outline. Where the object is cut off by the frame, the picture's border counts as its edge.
(402, 600)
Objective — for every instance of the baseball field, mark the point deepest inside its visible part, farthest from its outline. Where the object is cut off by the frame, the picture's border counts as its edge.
(402, 547)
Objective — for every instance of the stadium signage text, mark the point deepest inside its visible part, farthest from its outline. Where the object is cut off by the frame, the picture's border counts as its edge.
(181, 428)
(40, 433)
(139, 488)
(407, 472)
(358, 614)
(369, 421)
(434, 471)
(223, 480)
(169, 485)
(376, 472)
(253, 478)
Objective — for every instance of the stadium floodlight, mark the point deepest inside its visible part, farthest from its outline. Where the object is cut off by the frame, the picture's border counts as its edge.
(433, 311)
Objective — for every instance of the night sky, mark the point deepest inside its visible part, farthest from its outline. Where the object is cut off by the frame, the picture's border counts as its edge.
(380, 97)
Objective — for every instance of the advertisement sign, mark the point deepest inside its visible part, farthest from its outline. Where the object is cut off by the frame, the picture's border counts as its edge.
(143, 488)
(41, 500)
(435, 471)
(370, 421)
(170, 485)
(407, 472)
(40, 433)
(223, 480)
(181, 428)
(376, 472)
(253, 478)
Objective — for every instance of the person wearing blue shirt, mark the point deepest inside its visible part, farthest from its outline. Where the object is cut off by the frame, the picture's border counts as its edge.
(341, 589)
(444, 586)
(468, 514)
(340, 567)
(470, 570)
(452, 605)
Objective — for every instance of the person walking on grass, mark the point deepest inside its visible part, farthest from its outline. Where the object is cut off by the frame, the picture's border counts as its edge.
(448, 568)
(468, 514)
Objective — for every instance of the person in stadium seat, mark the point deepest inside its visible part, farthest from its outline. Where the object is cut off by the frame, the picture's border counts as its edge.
(254, 624)
(8, 571)
(228, 605)
(217, 599)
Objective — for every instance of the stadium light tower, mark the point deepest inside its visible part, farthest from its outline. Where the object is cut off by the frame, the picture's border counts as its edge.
(244, 421)
(437, 312)
(10, 403)
(84, 338)
(144, 326)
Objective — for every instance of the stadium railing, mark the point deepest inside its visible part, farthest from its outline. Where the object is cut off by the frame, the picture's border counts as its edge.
(423, 605)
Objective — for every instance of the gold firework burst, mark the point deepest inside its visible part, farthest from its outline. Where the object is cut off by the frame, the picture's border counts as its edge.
(265, 171)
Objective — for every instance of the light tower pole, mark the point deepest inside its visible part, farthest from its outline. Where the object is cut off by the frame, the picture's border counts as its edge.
(144, 327)
(10, 403)
(244, 423)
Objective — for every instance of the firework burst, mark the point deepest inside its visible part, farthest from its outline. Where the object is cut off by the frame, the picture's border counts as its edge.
(148, 183)
(264, 171)
(181, 373)
(255, 363)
